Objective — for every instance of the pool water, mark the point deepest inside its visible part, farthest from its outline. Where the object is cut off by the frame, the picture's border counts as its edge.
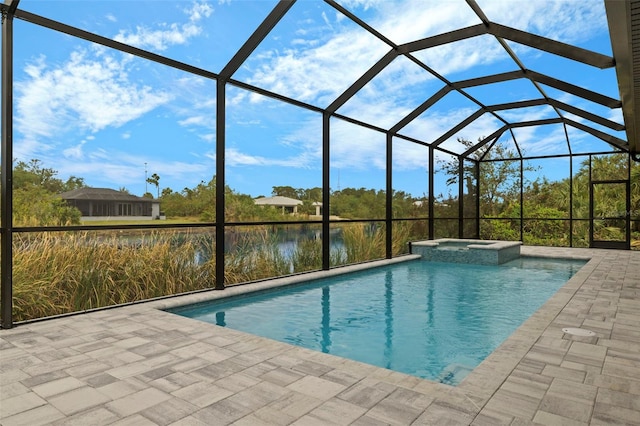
(432, 320)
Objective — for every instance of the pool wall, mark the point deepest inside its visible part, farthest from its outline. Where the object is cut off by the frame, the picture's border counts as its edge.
(483, 252)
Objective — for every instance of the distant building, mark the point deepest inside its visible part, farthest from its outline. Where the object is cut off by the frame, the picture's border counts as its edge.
(318, 206)
(288, 205)
(109, 204)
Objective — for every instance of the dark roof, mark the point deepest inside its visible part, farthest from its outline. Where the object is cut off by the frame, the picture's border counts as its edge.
(623, 17)
(102, 194)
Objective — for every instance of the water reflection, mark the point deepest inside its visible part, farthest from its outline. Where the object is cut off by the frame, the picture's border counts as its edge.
(326, 320)
(388, 318)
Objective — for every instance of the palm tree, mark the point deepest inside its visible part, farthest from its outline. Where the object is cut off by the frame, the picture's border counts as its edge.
(155, 180)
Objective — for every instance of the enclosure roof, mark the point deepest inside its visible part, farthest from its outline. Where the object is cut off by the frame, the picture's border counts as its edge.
(569, 103)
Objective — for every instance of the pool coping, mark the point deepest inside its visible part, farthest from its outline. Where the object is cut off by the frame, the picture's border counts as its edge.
(236, 290)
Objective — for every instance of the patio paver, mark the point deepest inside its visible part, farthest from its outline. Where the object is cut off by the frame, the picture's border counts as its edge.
(139, 365)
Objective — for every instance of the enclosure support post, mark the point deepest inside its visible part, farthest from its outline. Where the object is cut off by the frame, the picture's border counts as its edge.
(220, 181)
(6, 201)
(431, 195)
(521, 200)
(571, 201)
(590, 202)
(477, 205)
(225, 75)
(326, 238)
(628, 208)
(461, 197)
(389, 198)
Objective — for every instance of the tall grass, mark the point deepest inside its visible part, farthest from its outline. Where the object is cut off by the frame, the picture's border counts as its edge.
(307, 256)
(362, 242)
(55, 273)
(256, 256)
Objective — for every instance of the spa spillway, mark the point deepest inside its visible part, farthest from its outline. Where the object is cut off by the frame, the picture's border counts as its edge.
(484, 252)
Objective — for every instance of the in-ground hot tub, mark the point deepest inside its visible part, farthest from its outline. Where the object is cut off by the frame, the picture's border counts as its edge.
(484, 252)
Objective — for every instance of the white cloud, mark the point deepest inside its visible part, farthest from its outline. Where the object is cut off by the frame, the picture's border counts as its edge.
(565, 20)
(167, 34)
(363, 4)
(124, 169)
(88, 91)
(316, 70)
(75, 151)
(397, 21)
(356, 148)
(159, 39)
(194, 120)
(236, 158)
(615, 115)
(528, 114)
(542, 140)
(208, 137)
(198, 11)
(111, 17)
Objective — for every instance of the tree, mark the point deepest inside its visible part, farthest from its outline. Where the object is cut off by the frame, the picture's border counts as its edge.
(499, 180)
(35, 196)
(155, 180)
(284, 191)
(72, 183)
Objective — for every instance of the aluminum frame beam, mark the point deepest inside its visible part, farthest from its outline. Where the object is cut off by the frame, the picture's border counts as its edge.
(543, 79)
(104, 41)
(612, 140)
(363, 80)
(276, 14)
(483, 142)
(573, 89)
(539, 102)
(551, 46)
(587, 115)
(422, 108)
(464, 123)
(6, 197)
(445, 38)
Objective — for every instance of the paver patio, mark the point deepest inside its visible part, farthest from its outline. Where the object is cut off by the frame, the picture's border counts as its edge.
(138, 365)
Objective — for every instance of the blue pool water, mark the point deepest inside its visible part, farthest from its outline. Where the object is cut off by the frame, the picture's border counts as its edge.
(433, 320)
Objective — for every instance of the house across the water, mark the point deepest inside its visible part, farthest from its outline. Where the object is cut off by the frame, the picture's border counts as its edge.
(286, 204)
(109, 204)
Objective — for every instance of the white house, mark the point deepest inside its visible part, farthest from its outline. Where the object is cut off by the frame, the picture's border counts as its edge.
(288, 205)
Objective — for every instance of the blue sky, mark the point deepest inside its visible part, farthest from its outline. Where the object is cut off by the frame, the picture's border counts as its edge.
(96, 113)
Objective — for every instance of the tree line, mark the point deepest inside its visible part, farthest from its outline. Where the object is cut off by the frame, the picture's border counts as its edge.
(37, 202)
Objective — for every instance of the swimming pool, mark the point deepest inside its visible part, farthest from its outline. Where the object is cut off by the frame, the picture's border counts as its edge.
(433, 320)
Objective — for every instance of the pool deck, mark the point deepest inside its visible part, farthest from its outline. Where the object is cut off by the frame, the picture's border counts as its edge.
(137, 365)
